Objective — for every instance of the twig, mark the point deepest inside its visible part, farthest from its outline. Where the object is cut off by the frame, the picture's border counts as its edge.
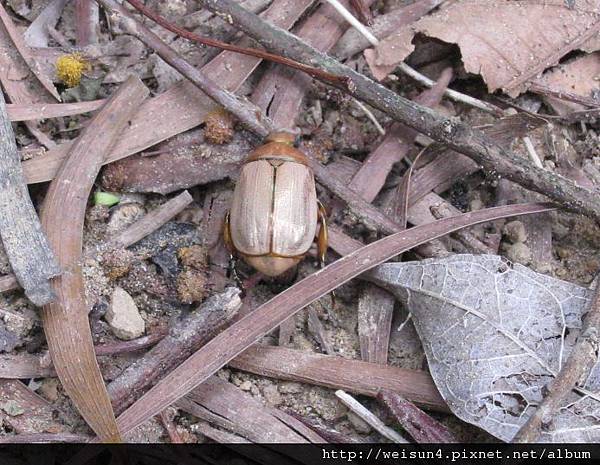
(368, 416)
(26, 246)
(329, 434)
(315, 72)
(574, 373)
(123, 347)
(245, 332)
(185, 336)
(243, 110)
(532, 153)
(422, 427)
(24, 366)
(152, 221)
(371, 116)
(66, 322)
(413, 73)
(461, 137)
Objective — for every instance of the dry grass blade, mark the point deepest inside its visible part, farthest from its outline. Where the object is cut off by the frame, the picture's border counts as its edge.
(24, 50)
(267, 317)
(26, 246)
(340, 373)
(29, 413)
(36, 111)
(65, 321)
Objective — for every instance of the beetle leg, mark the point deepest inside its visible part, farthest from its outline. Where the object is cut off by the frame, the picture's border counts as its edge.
(323, 238)
(232, 268)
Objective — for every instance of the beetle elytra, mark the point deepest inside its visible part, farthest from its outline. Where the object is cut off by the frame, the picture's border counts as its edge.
(275, 211)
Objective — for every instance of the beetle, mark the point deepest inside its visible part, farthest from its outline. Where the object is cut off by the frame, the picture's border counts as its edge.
(274, 212)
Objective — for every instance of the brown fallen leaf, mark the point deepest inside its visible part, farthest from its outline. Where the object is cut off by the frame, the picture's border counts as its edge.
(519, 41)
(65, 321)
(578, 76)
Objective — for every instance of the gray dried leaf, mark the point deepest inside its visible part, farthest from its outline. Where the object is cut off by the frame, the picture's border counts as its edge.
(495, 334)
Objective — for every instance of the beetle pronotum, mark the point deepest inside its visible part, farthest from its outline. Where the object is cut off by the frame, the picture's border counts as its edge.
(274, 212)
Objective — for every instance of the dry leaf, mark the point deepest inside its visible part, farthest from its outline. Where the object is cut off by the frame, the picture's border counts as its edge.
(507, 42)
(579, 76)
(495, 334)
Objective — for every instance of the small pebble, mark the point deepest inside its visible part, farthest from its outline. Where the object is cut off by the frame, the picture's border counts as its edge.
(271, 395)
(123, 316)
(518, 253)
(246, 386)
(515, 231)
(289, 387)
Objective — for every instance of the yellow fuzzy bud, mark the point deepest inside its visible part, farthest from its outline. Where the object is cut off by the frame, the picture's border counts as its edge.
(70, 68)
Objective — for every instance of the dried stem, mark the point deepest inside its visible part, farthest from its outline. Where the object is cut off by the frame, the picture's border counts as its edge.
(242, 109)
(315, 72)
(573, 374)
(495, 160)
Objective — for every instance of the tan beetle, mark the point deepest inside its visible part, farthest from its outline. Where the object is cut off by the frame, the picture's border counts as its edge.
(274, 212)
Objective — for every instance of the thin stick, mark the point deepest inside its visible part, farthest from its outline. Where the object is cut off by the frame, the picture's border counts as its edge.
(371, 116)
(244, 110)
(152, 221)
(574, 372)
(492, 158)
(315, 72)
(368, 416)
(532, 153)
(411, 72)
